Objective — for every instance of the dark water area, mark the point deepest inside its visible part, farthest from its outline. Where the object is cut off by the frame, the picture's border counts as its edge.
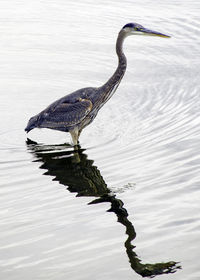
(126, 205)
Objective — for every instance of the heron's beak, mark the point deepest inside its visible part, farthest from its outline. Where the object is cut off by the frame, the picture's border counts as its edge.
(154, 33)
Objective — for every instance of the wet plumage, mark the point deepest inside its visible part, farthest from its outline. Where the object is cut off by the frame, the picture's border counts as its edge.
(75, 111)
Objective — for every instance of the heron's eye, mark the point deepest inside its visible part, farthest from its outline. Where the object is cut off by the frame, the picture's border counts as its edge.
(137, 28)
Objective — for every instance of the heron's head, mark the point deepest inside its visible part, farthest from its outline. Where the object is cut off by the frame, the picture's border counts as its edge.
(137, 29)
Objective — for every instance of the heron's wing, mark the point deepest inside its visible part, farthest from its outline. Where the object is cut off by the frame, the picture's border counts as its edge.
(66, 114)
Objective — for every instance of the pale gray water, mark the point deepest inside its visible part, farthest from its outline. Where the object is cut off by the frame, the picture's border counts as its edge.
(144, 144)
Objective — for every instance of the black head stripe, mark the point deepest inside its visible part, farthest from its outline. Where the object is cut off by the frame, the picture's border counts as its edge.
(131, 25)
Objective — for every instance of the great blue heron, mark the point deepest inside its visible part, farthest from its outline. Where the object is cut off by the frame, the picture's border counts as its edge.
(75, 111)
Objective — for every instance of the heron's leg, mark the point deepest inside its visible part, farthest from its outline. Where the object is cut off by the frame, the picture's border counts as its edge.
(75, 135)
(79, 132)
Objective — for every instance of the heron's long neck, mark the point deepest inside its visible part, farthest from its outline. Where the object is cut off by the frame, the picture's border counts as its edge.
(111, 85)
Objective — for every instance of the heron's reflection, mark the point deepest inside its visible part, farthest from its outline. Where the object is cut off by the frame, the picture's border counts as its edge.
(74, 170)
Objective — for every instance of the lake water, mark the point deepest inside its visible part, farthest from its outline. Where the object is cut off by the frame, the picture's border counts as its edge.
(139, 159)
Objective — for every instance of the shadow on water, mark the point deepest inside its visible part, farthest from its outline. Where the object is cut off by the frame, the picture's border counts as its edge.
(73, 169)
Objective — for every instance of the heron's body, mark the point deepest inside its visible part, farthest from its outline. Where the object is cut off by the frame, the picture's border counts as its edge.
(75, 111)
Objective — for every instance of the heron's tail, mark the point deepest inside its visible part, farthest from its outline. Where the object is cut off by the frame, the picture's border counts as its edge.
(32, 123)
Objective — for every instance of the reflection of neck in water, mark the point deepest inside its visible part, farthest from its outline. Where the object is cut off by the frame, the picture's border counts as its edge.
(74, 170)
(144, 270)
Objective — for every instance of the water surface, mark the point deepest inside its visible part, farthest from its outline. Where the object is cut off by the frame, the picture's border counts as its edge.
(139, 159)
